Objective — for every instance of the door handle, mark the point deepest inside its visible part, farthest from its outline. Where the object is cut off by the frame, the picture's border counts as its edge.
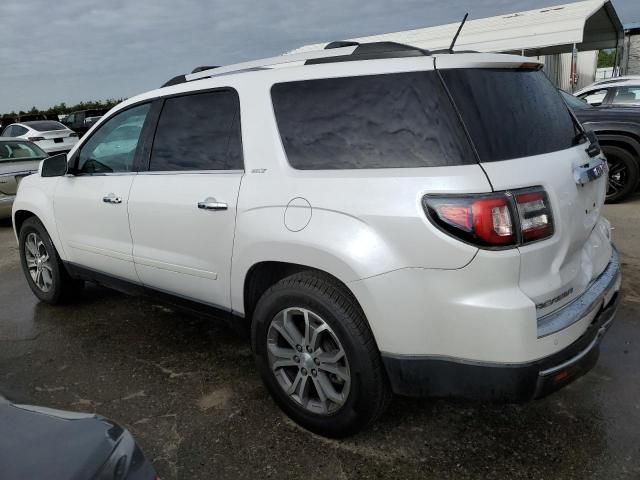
(211, 203)
(111, 198)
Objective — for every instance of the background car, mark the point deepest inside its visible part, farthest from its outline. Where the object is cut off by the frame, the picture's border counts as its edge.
(51, 136)
(79, 121)
(612, 92)
(40, 442)
(18, 158)
(618, 131)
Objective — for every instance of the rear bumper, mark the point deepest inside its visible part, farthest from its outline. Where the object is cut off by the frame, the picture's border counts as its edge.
(448, 377)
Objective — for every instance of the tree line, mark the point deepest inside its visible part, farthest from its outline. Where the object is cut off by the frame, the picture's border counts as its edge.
(63, 109)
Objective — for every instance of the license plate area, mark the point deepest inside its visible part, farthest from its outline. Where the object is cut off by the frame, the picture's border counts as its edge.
(58, 140)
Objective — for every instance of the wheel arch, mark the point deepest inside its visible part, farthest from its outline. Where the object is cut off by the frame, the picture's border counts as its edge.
(262, 275)
(33, 202)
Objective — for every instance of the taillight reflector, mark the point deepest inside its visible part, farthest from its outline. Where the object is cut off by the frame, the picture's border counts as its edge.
(535, 215)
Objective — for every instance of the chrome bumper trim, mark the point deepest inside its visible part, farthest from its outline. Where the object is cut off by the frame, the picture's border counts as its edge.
(586, 303)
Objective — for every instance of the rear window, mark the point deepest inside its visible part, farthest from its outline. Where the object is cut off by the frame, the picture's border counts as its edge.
(376, 121)
(511, 113)
(46, 126)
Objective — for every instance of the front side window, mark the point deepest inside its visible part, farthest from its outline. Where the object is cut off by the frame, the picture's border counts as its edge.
(8, 131)
(198, 132)
(627, 96)
(397, 120)
(112, 148)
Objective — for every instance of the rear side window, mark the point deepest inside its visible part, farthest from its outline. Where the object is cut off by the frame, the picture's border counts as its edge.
(376, 121)
(511, 113)
(198, 132)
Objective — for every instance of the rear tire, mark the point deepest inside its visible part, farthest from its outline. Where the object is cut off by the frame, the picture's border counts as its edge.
(42, 267)
(624, 173)
(344, 387)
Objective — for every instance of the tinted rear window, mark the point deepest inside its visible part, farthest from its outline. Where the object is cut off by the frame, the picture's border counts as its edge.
(46, 125)
(374, 121)
(198, 132)
(511, 113)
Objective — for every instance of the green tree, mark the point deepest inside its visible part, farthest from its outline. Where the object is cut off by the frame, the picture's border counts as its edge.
(606, 58)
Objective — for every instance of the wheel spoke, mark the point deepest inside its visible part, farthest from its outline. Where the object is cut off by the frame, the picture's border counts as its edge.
(322, 397)
(338, 371)
(306, 327)
(47, 281)
(284, 357)
(285, 334)
(331, 357)
(328, 389)
(291, 329)
(316, 333)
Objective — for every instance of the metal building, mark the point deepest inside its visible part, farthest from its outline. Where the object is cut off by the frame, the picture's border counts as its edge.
(631, 57)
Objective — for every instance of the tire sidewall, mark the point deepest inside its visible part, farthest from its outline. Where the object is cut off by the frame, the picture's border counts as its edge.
(34, 226)
(349, 417)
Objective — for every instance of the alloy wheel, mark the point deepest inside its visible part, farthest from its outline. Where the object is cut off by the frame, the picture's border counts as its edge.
(618, 176)
(308, 360)
(38, 262)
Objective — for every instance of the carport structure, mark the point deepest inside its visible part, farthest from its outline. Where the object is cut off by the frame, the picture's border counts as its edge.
(589, 25)
(570, 28)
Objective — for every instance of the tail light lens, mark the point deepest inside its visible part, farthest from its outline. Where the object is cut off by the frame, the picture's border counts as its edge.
(35, 139)
(73, 134)
(496, 220)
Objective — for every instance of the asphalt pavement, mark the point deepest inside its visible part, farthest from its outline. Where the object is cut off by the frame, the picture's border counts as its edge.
(187, 389)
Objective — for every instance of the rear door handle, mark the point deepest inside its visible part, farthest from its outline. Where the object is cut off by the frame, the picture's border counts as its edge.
(111, 198)
(211, 203)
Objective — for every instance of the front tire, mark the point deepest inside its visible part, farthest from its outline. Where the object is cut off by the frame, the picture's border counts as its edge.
(41, 265)
(624, 173)
(317, 356)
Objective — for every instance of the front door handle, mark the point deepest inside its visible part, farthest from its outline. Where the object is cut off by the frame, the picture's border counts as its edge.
(111, 198)
(211, 203)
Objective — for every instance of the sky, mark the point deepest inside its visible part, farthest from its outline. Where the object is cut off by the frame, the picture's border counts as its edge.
(73, 50)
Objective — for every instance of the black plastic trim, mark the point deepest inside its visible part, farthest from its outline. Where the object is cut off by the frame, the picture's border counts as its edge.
(372, 51)
(131, 288)
(431, 376)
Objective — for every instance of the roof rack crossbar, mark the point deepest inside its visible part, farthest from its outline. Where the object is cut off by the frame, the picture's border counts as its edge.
(266, 62)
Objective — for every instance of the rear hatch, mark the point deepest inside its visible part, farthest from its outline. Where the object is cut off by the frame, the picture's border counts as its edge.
(525, 136)
(52, 136)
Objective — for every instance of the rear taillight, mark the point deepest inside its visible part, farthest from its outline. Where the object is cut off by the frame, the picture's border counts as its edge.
(73, 134)
(35, 139)
(496, 220)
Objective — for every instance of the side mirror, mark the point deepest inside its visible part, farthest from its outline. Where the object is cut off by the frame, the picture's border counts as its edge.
(54, 166)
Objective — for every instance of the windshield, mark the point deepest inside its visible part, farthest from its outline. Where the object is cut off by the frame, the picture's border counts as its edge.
(574, 102)
(15, 150)
(511, 113)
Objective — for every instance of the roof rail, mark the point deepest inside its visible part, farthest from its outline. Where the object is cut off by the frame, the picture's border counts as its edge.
(341, 51)
(341, 43)
(266, 62)
(371, 51)
(204, 67)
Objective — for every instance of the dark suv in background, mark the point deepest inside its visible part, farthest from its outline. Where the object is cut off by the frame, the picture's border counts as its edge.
(82, 120)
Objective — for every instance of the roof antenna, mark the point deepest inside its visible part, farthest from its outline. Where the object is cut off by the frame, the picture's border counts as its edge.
(453, 42)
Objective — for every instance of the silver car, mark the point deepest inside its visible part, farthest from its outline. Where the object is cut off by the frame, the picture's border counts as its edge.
(18, 158)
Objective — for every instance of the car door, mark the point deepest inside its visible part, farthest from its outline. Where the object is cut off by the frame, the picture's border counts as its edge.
(183, 209)
(91, 203)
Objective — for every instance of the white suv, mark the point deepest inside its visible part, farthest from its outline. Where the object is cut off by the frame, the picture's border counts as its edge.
(385, 219)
